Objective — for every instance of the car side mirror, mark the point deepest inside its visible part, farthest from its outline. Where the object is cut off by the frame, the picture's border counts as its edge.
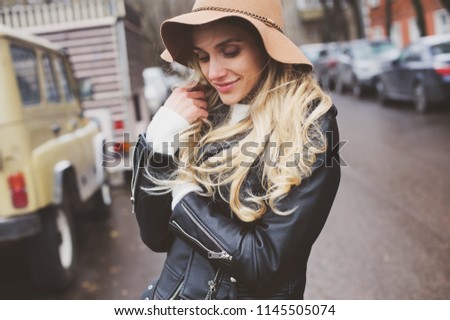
(86, 89)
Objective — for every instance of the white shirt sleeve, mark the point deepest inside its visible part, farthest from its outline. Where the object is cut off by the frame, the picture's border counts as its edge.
(163, 129)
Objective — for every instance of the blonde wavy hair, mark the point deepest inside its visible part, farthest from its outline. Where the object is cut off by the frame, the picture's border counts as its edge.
(282, 127)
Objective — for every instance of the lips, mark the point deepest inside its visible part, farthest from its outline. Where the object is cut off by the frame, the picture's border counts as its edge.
(225, 87)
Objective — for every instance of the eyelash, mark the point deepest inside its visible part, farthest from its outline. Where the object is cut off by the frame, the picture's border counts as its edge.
(232, 54)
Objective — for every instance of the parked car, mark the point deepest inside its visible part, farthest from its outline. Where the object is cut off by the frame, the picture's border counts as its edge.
(326, 65)
(421, 74)
(50, 157)
(312, 50)
(359, 65)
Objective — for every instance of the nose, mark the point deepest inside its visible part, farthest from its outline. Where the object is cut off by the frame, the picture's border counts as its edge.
(216, 69)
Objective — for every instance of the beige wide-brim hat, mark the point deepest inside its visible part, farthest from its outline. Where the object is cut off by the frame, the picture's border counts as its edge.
(265, 15)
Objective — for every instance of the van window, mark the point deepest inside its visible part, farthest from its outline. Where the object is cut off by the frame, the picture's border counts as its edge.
(64, 79)
(24, 62)
(50, 82)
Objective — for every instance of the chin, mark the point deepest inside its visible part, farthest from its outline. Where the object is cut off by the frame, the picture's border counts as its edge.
(229, 101)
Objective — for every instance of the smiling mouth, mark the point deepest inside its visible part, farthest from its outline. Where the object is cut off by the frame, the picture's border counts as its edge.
(226, 86)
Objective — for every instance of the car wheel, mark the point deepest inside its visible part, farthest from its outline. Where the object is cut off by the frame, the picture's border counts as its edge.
(325, 82)
(381, 92)
(340, 88)
(357, 88)
(52, 252)
(421, 102)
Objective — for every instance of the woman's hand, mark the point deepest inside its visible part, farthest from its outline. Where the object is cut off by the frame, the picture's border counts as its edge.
(189, 103)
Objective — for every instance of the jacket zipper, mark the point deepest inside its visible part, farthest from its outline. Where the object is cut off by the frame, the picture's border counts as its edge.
(134, 173)
(177, 291)
(211, 254)
(212, 286)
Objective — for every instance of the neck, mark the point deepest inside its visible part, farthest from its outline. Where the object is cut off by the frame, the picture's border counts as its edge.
(238, 112)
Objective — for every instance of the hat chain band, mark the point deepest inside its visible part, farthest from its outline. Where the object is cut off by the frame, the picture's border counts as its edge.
(267, 21)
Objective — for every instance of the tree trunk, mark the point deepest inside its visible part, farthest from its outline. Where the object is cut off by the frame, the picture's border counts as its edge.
(388, 18)
(153, 13)
(292, 21)
(328, 25)
(356, 10)
(420, 17)
(446, 5)
(340, 22)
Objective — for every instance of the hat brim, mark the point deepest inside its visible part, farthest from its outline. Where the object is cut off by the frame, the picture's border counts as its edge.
(175, 34)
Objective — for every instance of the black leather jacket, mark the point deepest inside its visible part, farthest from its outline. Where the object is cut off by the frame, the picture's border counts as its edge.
(211, 254)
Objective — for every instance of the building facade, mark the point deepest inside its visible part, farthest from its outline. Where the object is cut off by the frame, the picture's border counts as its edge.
(404, 22)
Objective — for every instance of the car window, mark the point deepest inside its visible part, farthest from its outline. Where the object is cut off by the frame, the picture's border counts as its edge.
(362, 51)
(311, 54)
(51, 87)
(373, 49)
(411, 54)
(64, 79)
(25, 66)
(381, 47)
(440, 48)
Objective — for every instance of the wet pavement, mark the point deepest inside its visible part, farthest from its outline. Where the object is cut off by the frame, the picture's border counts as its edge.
(113, 263)
(387, 237)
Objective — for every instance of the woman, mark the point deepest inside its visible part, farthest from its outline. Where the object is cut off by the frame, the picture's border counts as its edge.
(238, 165)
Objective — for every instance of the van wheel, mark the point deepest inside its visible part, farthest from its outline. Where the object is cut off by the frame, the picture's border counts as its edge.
(102, 202)
(52, 252)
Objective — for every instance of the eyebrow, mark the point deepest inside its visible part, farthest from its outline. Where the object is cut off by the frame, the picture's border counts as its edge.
(219, 45)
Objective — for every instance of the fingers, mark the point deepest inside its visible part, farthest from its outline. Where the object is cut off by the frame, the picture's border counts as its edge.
(189, 103)
(201, 104)
(202, 114)
(191, 93)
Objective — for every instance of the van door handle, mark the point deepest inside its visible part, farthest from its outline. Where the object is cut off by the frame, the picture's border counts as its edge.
(56, 129)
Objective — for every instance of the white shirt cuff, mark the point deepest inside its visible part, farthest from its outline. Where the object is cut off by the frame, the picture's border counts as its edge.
(162, 130)
(182, 189)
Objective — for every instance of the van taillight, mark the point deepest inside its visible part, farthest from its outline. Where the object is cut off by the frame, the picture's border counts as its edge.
(19, 195)
(118, 124)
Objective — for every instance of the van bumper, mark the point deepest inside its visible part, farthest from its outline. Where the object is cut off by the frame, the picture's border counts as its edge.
(16, 228)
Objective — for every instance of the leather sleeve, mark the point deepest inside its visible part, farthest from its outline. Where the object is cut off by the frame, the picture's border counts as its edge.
(259, 252)
(152, 211)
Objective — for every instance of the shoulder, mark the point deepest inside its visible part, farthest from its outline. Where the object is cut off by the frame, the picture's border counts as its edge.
(332, 112)
(327, 120)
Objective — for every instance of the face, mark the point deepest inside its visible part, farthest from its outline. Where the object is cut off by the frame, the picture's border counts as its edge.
(230, 58)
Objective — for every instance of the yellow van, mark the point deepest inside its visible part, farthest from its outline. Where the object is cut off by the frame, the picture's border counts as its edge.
(50, 156)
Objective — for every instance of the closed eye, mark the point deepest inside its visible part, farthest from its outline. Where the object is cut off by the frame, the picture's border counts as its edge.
(201, 55)
(231, 51)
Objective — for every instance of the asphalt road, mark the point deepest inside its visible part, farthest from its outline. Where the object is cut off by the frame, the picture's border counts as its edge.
(387, 236)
